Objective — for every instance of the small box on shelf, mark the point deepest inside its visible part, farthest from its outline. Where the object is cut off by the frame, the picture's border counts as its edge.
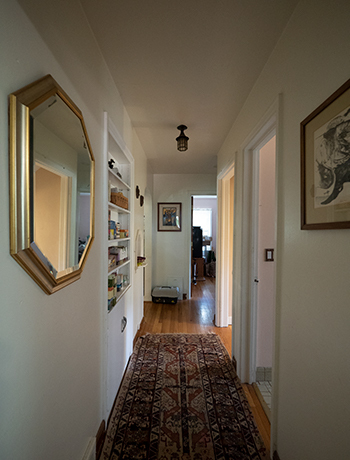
(113, 230)
(119, 199)
(112, 261)
(117, 256)
(121, 252)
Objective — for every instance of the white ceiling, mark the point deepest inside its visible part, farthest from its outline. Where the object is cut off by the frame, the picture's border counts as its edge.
(189, 62)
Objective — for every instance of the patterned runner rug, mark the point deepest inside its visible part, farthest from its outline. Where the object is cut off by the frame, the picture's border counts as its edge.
(181, 399)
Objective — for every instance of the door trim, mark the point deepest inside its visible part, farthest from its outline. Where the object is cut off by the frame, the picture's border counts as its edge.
(244, 323)
(244, 326)
(224, 291)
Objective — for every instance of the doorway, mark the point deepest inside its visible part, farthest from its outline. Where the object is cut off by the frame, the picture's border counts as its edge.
(203, 237)
(245, 274)
(265, 271)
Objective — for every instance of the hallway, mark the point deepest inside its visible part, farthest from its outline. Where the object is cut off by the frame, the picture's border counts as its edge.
(196, 316)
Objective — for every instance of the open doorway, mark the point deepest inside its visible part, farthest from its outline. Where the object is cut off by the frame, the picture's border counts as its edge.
(247, 334)
(203, 244)
(265, 271)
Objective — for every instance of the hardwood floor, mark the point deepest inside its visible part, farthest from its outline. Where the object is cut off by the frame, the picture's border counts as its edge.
(196, 315)
(259, 415)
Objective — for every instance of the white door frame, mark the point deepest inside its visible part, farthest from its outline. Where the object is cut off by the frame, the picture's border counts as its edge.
(245, 228)
(224, 258)
(245, 257)
(253, 157)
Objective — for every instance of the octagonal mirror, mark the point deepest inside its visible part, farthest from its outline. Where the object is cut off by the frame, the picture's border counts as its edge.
(51, 185)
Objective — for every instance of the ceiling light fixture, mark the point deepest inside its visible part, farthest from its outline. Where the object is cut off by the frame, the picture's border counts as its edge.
(182, 140)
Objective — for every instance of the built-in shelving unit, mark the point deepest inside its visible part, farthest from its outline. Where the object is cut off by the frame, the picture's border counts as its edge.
(119, 244)
(118, 313)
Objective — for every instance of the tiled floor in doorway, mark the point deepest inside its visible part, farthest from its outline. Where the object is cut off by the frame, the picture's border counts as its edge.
(263, 390)
(266, 392)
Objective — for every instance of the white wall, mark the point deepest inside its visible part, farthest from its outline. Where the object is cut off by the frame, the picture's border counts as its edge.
(52, 358)
(84, 215)
(266, 270)
(171, 250)
(148, 249)
(143, 181)
(312, 413)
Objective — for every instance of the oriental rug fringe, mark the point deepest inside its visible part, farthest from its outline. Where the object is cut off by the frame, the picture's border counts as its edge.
(181, 399)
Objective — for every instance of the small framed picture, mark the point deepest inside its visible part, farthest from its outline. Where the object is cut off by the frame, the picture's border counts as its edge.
(169, 217)
(325, 164)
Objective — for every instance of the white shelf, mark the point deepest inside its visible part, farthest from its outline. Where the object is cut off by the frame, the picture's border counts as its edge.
(117, 267)
(118, 208)
(117, 240)
(122, 184)
(142, 265)
(120, 294)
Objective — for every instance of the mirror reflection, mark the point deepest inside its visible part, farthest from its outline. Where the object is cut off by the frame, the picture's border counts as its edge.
(61, 164)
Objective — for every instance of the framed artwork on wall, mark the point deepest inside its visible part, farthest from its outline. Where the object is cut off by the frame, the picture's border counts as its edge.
(169, 217)
(325, 164)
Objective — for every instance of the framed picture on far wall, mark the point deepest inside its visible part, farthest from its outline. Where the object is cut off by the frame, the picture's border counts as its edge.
(325, 164)
(169, 217)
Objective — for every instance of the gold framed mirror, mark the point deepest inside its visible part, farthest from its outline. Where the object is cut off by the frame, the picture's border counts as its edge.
(52, 173)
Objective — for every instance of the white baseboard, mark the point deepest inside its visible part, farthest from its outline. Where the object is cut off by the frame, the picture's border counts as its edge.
(90, 453)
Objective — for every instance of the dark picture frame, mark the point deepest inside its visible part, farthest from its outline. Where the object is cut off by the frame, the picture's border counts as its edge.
(325, 164)
(169, 217)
